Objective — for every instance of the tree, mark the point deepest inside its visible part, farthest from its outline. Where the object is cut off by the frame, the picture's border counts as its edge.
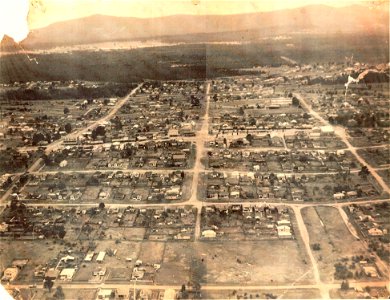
(94, 134)
(345, 285)
(364, 172)
(37, 137)
(102, 205)
(66, 110)
(249, 138)
(59, 293)
(68, 128)
(197, 273)
(101, 130)
(295, 101)
(183, 292)
(316, 247)
(48, 284)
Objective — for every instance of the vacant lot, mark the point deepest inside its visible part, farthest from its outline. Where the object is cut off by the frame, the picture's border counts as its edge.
(75, 294)
(262, 294)
(265, 262)
(326, 228)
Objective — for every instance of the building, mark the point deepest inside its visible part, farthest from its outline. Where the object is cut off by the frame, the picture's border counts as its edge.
(105, 294)
(338, 196)
(67, 274)
(284, 231)
(280, 101)
(375, 231)
(51, 274)
(10, 274)
(100, 256)
(169, 294)
(370, 271)
(327, 130)
(210, 234)
(89, 256)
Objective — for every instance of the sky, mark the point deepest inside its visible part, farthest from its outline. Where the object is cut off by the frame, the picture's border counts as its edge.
(17, 17)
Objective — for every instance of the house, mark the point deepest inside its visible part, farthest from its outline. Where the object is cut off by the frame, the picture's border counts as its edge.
(10, 274)
(210, 234)
(338, 196)
(4, 227)
(179, 157)
(89, 256)
(173, 132)
(370, 271)
(105, 294)
(138, 273)
(67, 274)
(283, 222)
(51, 274)
(67, 258)
(173, 193)
(327, 130)
(103, 195)
(352, 194)
(99, 272)
(284, 231)
(375, 231)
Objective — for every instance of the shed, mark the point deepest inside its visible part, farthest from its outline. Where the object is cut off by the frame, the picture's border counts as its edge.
(101, 256)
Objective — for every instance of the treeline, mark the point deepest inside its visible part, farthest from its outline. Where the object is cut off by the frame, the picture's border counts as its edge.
(81, 92)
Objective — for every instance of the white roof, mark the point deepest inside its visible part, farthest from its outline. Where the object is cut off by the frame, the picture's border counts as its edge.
(101, 255)
(68, 272)
(209, 233)
(327, 129)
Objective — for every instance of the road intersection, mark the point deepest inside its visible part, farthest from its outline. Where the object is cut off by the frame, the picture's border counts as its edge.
(201, 139)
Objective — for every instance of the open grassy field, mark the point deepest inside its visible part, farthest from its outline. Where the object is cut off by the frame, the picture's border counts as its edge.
(263, 294)
(43, 294)
(326, 228)
(234, 262)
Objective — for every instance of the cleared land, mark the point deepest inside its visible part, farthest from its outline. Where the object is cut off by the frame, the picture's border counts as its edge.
(326, 228)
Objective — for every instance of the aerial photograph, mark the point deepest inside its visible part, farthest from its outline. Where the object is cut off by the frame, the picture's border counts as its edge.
(194, 149)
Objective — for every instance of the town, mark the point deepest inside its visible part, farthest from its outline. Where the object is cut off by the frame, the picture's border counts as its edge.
(269, 185)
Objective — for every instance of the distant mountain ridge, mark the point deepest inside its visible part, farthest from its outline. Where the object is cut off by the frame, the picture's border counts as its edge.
(313, 18)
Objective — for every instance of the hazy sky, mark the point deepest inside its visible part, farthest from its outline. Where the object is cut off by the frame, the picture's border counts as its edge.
(50, 11)
(44, 12)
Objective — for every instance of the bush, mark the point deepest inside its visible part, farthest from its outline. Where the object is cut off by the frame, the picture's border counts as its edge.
(316, 247)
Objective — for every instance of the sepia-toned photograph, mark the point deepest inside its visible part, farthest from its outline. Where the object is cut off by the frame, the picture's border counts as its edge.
(194, 149)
